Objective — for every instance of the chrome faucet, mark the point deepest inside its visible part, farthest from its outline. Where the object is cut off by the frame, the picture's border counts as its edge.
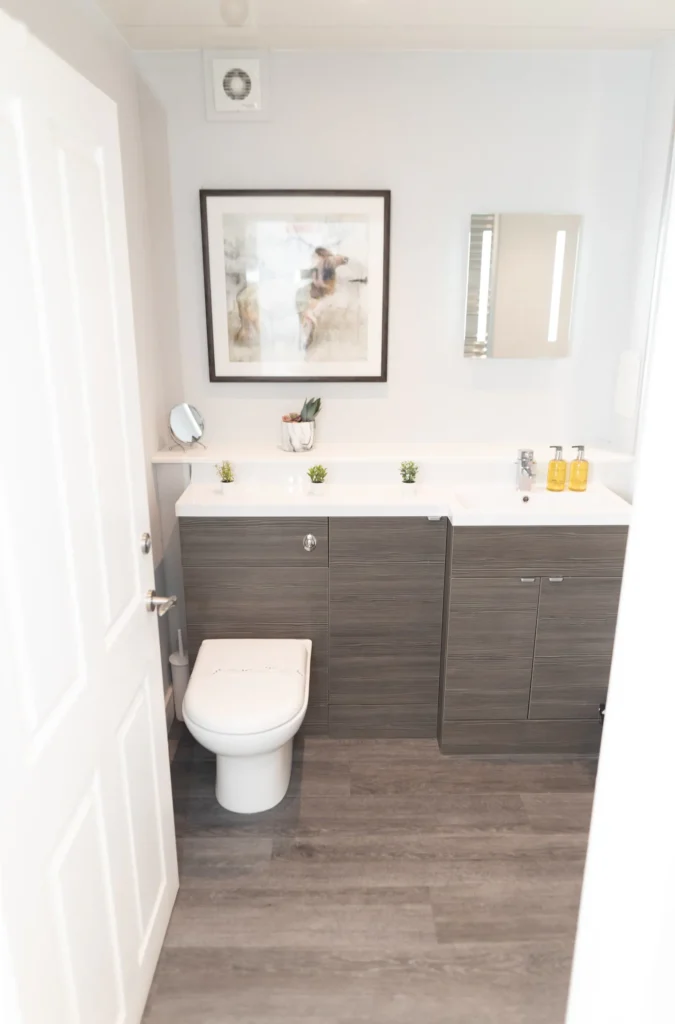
(526, 471)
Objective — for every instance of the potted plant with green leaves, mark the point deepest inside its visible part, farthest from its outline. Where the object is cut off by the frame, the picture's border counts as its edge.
(225, 474)
(409, 471)
(298, 429)
(317, 476)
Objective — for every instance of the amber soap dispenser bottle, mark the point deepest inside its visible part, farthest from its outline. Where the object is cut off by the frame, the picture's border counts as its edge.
(557, 470)
(579, 470)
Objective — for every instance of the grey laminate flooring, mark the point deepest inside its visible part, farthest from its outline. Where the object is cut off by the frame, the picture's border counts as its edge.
(391, 885)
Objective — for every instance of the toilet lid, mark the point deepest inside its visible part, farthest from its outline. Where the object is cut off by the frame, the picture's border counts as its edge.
(243, 687)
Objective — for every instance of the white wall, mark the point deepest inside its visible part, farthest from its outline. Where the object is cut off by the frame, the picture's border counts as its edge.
(449, 134)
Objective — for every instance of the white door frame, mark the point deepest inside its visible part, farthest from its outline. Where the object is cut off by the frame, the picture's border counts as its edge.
(625, 950)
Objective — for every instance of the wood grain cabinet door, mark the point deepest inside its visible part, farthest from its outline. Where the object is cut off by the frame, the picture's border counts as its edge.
(387, 580)
(385, 633)
(573, 649)
(490, 642)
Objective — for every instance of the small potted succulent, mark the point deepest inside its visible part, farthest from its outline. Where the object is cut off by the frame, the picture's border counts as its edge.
(317, 476)
(408, 473)
(225, 474)
(298, 428)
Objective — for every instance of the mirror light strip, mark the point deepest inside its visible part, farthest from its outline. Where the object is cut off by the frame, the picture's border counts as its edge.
(484, 286)
(556, 288)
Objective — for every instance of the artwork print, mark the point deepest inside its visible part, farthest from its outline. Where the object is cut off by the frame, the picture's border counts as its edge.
(296, 285)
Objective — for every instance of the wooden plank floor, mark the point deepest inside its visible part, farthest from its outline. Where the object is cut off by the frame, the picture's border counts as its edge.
(391, 885)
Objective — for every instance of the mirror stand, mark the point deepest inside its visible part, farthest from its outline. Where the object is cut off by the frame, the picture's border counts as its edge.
(186, 426)
(184, 445)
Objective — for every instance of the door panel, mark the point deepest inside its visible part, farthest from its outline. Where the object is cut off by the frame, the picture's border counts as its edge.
(484, 688)
(492, 617)
(490, 641)
(89, 861)
(577, 616)
(573, 649)
(569, 687)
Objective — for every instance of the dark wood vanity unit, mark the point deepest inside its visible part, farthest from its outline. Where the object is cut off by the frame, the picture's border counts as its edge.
(530, 620)
(498, 640)
(367, 592)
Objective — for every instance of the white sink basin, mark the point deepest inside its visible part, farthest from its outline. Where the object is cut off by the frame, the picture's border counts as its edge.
(501, 505)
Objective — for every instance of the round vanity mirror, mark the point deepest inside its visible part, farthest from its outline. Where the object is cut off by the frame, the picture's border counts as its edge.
(186, 424)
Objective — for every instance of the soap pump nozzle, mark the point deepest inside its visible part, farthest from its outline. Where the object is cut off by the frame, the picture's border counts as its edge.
(558, 451)
(580, 450)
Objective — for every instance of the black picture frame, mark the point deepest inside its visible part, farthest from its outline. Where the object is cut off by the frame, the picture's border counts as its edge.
(383, 194)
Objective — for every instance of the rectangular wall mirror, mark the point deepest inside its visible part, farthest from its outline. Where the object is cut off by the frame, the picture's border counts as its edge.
(520, 285)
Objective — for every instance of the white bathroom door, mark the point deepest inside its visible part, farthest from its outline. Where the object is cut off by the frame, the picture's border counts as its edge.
(87, 846)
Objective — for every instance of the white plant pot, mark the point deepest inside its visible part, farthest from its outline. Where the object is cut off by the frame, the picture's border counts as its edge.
(297, 437)
(224, 486)
(317, 489)
(408, 489)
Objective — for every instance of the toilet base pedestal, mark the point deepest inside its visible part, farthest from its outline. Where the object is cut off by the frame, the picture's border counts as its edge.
(248, 785)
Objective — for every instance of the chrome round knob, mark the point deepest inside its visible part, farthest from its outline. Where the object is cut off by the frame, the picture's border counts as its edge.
(309, 542)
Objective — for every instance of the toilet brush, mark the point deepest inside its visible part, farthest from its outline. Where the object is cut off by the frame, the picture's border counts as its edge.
(180, 675)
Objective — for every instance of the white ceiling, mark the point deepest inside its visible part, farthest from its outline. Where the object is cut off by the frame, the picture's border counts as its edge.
(393, 24)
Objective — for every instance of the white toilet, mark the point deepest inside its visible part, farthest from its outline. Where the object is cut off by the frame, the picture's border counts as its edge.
(245, 701)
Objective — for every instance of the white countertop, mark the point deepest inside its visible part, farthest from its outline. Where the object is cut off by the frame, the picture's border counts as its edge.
(467, 504)
(472, 484)
(390, 452)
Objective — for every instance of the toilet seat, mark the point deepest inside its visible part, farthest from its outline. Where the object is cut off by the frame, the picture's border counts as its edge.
(246, 687)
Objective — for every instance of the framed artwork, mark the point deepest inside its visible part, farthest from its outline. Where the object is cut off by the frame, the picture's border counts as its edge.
(296, 284)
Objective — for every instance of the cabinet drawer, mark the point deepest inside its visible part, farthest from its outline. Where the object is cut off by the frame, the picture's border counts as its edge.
(577, 617)
(568, 687)
(495, 617)
(376, 540)
(538, 550)
(487, 688)
(264, 542)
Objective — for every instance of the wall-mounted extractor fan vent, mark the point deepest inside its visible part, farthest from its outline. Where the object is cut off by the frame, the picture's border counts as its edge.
(235, 85)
